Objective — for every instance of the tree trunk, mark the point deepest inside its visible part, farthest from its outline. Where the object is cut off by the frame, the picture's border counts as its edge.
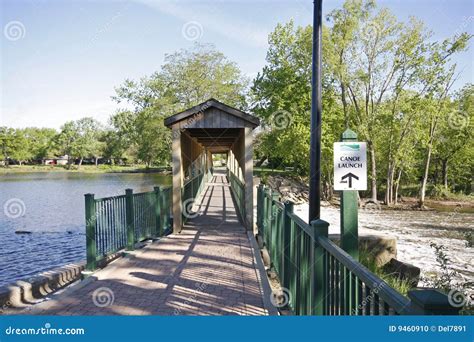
(388, 186)
(425, 176)
(373, 172)
(330, 190)
(344, 104)
(80, 163)
(96, 161)
(445, 173)
(397, 186)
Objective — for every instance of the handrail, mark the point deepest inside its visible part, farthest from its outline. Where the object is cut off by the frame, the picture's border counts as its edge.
(396, 300)
(118, 222)
(237, 188)
(318, 276)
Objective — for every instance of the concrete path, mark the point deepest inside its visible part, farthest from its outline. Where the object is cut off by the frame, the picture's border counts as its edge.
(208, 269)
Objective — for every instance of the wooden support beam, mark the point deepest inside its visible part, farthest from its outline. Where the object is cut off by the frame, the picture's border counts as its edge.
(177, 179)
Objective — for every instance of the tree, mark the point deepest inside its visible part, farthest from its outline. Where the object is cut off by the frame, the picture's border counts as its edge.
(66, 140)
(87, 144)
(377, 79)
(41, 142)
(22, 147)
(437, 79)
(187, 78)
(374, 60)
(7, 143)
(454, 142)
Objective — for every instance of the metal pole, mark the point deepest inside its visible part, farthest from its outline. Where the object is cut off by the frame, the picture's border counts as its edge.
(316, 109)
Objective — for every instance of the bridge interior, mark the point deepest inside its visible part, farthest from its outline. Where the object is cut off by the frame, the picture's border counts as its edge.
(197, 133)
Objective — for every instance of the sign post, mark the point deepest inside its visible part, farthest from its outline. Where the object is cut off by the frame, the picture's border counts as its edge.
(350, 175)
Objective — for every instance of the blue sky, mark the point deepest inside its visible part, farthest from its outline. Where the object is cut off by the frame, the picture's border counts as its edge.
(60, 60)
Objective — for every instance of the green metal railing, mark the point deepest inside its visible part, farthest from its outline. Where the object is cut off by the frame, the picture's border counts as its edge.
(191, 190)
(238, 190)
(118, 222)
(321, 278)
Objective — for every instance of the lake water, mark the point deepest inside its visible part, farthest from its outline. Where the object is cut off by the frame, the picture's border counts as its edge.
(51, 207)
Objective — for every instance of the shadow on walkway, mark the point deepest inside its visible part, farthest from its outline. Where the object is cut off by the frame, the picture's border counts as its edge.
(208, 269)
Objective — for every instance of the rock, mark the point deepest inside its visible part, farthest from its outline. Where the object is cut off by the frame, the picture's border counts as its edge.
(382, 248)
(404, 271)
(290, 189)
(272, 274)
(266, 257)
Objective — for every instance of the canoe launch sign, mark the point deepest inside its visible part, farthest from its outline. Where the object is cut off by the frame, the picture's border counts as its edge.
(350, 165)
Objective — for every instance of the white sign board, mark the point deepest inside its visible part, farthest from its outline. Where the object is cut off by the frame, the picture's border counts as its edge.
(350, 165)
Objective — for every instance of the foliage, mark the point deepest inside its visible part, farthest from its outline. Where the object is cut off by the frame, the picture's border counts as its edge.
(445, 280)
(385, 79)
(187, 78)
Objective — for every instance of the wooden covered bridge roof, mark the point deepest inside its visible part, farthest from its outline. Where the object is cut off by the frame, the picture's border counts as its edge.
(215, 115)
(213, 124)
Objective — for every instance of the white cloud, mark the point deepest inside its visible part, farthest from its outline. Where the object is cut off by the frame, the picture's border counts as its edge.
(215, 20)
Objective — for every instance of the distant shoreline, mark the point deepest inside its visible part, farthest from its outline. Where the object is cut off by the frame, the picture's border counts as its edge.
(83, 169)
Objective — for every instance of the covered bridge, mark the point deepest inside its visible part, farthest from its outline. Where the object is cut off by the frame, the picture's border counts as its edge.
(197, 133)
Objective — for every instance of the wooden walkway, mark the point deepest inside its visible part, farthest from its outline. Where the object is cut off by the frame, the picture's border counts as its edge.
(208, 269)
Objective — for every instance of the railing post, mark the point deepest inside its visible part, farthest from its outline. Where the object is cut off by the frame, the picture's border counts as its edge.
(319, 270)
(289, 207)
(164, 206)
(130, 219)
(259, 208)
(158, 225)
(274, 229)
(91, 218)
(268, 216)
(428, 301)
(349, 214)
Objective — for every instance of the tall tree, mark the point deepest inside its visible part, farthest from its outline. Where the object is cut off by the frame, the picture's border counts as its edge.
(438, 77)
(188, 77)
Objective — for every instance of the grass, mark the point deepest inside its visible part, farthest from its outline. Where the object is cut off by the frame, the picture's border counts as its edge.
(367, 259)
(435, 192)
(259, 171)
(83, 168)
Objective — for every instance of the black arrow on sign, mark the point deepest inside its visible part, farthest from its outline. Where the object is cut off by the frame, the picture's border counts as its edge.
(350, 176)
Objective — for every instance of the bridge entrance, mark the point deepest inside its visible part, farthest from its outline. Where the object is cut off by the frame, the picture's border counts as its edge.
(210, 128)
